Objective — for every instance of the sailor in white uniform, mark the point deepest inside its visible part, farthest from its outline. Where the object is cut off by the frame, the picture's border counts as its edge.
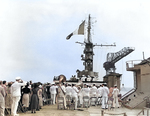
(93, 91)
(16, 94)
(75, 94)
(68, 90)
(115, 96)
(105, 92)
(53, 92)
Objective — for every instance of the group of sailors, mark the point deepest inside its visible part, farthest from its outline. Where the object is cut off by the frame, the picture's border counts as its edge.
(102, 93)
(33, 96)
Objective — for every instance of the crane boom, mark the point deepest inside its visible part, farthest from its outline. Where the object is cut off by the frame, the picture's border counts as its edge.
(112, 58)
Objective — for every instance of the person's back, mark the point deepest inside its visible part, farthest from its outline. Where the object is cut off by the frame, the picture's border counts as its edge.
(74, 91)
(75, 94)
(115, 92)
(69, 90)
(53, 89)
(105, 91)
(86, 91)
(99, 91)
(16, 94)
(93, 91)
(16, 89)
(34, 99)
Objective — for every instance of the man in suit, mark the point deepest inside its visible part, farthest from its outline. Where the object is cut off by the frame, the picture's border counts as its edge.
(16, 94)
(2, 100)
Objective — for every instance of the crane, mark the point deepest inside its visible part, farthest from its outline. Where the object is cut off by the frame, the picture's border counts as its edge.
(112, 58)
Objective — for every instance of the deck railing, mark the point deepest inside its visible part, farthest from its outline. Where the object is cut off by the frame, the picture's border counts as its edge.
(132, 63)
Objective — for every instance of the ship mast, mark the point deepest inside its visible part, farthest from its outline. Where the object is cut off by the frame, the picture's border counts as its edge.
(88, 51)
(88, 54)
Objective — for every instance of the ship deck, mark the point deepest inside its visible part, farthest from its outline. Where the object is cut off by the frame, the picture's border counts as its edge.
(51, 110)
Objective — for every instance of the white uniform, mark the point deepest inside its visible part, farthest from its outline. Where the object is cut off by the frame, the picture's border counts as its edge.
(115, 96)
(80, 96)
(93, 91)
(86, 92)
(105, 92)
(75, 95)
(99, 92)
(16, 93)
(69, 91)
(53, 93)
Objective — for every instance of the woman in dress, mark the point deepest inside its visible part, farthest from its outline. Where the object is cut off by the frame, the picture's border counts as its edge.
(34, 99)
(8, 99)
(25, 98)
(40, 96)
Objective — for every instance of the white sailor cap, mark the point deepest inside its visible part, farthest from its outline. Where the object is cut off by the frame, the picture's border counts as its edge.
(40, 86)
(17, 78)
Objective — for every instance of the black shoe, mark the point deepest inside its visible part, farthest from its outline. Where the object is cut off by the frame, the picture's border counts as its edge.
(34, 111)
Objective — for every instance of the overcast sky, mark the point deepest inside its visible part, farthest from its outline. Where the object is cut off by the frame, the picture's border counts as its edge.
(33, 34)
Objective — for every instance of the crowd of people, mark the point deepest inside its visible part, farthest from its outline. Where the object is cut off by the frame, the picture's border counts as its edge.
(33, 96)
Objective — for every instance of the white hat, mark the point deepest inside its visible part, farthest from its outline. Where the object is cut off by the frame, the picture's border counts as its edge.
(17, 78)
(40, 86)
(53, 83)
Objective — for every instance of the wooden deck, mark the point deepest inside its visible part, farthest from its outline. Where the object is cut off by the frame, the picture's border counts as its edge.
(51, 110)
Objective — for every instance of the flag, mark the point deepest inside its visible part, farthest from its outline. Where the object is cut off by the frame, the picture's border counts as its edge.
(78, 31)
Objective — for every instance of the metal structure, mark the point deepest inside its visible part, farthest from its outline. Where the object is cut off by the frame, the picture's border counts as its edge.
(112, 58)
(88, 54)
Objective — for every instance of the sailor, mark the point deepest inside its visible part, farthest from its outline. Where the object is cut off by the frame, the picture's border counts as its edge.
(93, 91)
(75, 94)
(86, 94)
(86, 91)
(53, 91)
(99, 91)
(16, 94)
(69, 90)
(99, 94)
(80, 96)
(105, 92)
(115, 94)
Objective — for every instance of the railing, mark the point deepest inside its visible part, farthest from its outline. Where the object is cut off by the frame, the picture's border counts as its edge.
(142, 111)
(132, 63)
(128, 93)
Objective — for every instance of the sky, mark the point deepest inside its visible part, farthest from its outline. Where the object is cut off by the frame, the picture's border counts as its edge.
(33, 35)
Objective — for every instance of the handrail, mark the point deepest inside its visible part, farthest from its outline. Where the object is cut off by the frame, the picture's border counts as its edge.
(131, 63)
(144, 99)
(143, 111)
(127, 94)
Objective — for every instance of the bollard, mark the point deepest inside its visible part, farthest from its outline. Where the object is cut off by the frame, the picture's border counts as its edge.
(102, 112)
